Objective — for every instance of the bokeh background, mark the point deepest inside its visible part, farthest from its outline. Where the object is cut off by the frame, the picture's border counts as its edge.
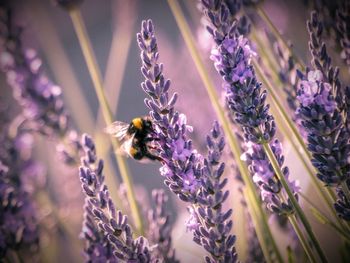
(112, 26)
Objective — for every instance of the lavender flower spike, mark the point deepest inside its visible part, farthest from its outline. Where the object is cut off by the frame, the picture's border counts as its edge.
(19, 229)
(328, 137)
(194, 179)
(210, 224)
(180, 159)
(40, 99)
(159, 230)
(107, 232)
(246, 100)
(264, 177)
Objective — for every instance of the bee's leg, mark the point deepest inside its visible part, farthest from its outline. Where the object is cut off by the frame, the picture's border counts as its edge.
(150, 139)
(153, 157)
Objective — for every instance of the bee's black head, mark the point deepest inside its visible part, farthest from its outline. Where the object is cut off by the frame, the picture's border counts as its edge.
(148, 125)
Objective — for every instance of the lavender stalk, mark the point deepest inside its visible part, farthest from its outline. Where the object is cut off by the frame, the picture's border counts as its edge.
(260, 218)
(246, 99)
(107, 232)
(324, 109)
(209, 223)
(180, 167)
(19, 230)
(328, 138)
(159, 230)
(191, 178)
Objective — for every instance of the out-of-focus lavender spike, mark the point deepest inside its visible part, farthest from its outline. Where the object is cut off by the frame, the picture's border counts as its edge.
(246, 99)
(159, 230)
(255, 253)
(328, 136)
(210, 223)
(180, 160)
(347, 107)
(108, 235)
(343, 29)
(288, 77)
(40, 99)
(287, 74)
(19, 230)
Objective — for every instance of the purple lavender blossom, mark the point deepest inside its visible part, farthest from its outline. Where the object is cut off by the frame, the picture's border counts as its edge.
(264, 176)
(159, 229)
(180, 159)
(328, 136)
(194, 179)
(108, 235)
(18, 214)
(246, 100)
(287, 75)
(321, 60)
(255, 253)
(210, 224)
(18, 227)
(40, 99)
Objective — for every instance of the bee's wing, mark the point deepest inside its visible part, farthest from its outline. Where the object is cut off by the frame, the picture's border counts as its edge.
(124, 147)
(118, 129)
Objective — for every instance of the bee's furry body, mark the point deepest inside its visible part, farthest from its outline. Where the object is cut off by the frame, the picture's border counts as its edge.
(135, 137)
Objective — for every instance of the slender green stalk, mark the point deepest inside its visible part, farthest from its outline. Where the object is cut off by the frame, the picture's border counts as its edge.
(299, 212)
(258, 228)
(90, 59)
(232, 141)
(303, 241)
(323, 219)
(345, 189)
(290, 255)
(278, 35)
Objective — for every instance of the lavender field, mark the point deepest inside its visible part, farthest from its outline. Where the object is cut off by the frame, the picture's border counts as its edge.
(174, 131)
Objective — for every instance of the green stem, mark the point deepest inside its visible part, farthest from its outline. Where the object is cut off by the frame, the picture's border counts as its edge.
(257, 220)
(303, 241)
(323, 219)
(345, 189)
(95, 74)
(293, 200)
(232, 141)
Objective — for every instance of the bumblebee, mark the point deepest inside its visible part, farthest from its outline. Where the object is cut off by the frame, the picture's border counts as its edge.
(135, 138)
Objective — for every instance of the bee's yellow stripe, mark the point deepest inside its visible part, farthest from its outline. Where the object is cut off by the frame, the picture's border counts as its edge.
(137, 122)
(132, 151)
